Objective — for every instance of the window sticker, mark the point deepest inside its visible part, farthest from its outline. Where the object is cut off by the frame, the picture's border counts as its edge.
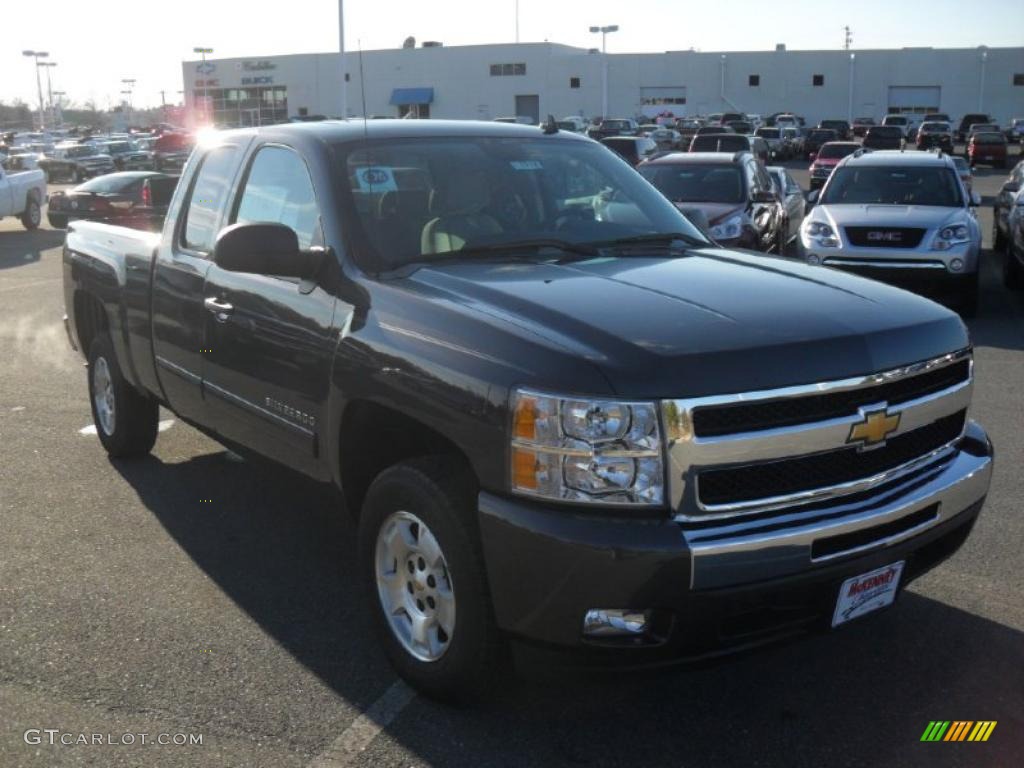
(376, 178)
(528, 165)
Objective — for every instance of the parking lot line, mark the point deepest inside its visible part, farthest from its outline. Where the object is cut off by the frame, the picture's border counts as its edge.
(357, 737)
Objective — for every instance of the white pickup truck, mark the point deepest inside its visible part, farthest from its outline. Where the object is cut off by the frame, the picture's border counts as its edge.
(22, 194)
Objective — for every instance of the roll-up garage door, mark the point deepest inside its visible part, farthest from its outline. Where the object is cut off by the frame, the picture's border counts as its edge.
(920, 99)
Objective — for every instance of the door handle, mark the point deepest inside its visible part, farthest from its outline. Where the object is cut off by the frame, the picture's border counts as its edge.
(219, 308)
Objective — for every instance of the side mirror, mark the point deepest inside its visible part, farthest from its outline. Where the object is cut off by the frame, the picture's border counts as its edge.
(813, 156)
(812, 197)
(975, 199)
(264, 249)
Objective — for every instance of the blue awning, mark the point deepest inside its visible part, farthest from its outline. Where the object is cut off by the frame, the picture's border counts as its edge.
(401, 96)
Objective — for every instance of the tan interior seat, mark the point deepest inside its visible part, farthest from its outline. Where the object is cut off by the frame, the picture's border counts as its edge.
(459, 218)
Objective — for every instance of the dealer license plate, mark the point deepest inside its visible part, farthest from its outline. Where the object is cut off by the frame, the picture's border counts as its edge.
(867, 592)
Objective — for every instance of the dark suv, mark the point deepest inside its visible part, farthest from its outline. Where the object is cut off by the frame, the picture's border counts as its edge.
(841, 127)
(968, 121)
(883, 137)
(817, 137)
(732, 192)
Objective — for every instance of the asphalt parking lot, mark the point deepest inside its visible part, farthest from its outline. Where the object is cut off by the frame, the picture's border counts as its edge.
(191, 594)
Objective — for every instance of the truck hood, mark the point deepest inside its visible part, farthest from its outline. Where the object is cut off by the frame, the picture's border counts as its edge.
(713, 322)
(925, 216)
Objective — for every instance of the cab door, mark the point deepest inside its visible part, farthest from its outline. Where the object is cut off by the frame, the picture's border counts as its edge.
(183, 258)
(270, 340)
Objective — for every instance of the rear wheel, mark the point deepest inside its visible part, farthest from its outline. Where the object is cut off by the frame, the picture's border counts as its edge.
(126, 420)
(425, 581)
(33, 213)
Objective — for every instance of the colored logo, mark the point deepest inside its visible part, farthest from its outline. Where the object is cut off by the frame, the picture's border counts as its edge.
(206, 68)
(875, 427)
(959, 730)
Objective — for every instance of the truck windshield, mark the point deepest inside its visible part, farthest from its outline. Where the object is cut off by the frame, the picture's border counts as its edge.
(877, 185)
(697, 183)
(414, 199)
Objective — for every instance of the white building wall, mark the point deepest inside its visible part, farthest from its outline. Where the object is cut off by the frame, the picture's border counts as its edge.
(464, 88)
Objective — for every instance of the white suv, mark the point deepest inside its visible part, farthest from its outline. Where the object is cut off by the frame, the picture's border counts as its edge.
(900, 217)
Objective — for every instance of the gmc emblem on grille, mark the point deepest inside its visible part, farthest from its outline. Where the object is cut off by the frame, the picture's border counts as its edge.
(888, 237)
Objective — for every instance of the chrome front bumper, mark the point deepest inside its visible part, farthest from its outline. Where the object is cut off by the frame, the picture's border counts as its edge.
(739, 551)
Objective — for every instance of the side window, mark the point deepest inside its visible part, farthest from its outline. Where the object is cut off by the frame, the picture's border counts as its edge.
(206, 199)
(279, 190)
(754, 185)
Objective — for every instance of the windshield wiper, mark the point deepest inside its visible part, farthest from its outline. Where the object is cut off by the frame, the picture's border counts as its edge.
(535, 247)
(668, 239)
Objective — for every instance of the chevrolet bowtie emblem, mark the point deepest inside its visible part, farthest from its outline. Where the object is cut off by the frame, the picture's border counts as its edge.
(872, 431)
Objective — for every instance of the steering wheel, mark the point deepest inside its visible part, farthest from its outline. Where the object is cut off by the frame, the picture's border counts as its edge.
(509, 207)
(573, 215)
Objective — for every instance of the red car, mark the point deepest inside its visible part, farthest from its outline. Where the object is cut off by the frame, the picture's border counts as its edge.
(828, 157)
(988, 148)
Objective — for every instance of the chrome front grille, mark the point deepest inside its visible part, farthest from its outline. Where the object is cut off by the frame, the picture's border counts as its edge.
(762, 451)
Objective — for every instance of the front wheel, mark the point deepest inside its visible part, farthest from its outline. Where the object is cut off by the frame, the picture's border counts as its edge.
(424, 579)
(126, 420)
(32, 214)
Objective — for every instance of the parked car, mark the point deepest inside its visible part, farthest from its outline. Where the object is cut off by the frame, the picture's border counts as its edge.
(536, 427)
(127, 156)
(573, 123)
(633, 149)
(729, 117)
(732, 190)
(1003, 205)
(937, 117)
(792, 141)
(794, 206)
(136, 199)
(76, 162)
(814, 140)
(777, 148)
(741, 126)
(861, 125)
(900, 217)
(967, 121)
(903, 122)
(171, 151)
(666, 138)
(22, 194)
(828, 158)
(841, 127)
(713, 129)
(730, 142)
(1013, 263)
(1015, 130)
(687, 130)
(883, 137)
(613, 127)
(988, 148)
(933, 134)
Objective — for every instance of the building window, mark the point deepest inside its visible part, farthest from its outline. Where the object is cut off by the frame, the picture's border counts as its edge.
(818, 80)
(347, 77)
(1018, 78)
(753, 80)
(574, 82)
(508, 70)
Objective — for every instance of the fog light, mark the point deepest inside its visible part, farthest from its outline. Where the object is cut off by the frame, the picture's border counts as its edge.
(956, 265)
(611, 622)
(814, 259)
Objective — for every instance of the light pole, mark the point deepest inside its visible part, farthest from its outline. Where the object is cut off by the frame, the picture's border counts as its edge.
(49, 88)
(202, 52)
(37, 55)
(130, 82)
(981, 86)
(849, 109)
(517, 21)
(341, 54)
(58, 107)
(604, 63)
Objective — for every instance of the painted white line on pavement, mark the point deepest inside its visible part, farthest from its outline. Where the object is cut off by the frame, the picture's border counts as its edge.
(344, 750)
(163, 426)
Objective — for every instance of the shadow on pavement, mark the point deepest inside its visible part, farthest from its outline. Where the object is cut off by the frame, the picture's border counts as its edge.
(282, 548)
(20, 248)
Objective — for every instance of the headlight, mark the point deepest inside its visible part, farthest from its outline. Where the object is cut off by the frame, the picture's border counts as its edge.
(596, 451)
(729, 229)
(950, 236)
(820, 234)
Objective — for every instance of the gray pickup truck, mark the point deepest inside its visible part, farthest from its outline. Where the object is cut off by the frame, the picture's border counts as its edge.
(22, 194)
(561, 415)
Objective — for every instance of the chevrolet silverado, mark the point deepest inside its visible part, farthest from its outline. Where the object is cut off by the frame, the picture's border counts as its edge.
(560, 414)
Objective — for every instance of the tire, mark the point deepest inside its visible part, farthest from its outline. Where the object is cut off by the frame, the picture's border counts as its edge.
(998, 238)
(459, 663)
(57, 221)
(33, 213)
(127, 425)
(1013, 273)
(969, 298)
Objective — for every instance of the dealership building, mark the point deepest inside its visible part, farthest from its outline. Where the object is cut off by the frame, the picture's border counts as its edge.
(536, 79)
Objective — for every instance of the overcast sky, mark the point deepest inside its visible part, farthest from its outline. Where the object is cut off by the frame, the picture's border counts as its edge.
(97, 44)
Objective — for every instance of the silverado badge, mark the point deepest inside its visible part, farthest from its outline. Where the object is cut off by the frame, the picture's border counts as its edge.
(874, 428)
